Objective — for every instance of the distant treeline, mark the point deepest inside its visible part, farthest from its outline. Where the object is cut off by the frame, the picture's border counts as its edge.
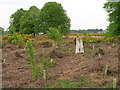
(2, 32)
(71, 31)
(88, 31)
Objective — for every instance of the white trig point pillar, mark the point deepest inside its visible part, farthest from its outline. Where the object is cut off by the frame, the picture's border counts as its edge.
(79, 46)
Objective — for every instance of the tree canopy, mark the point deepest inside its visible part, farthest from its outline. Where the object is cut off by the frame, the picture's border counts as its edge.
(15, 20)
(53, 15)
(113, 8)
(34, 20)
(29, 22)
(25, 21)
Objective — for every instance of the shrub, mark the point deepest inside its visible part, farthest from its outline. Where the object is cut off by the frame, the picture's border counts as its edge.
(14, 38)
(54, 34)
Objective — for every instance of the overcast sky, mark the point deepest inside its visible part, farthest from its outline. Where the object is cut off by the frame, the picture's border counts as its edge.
(84, 14)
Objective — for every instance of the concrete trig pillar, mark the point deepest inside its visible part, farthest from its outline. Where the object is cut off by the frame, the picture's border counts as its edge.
(79, 46)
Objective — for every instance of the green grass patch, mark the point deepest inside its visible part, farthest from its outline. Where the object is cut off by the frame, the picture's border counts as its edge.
(64, 84)
(81, 82)
(67, 50)
(88, 51)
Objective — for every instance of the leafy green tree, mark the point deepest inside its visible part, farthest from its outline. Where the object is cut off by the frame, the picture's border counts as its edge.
(53, 15)
(15, 21)
(113, 8)
(54, 34)
(29, 22)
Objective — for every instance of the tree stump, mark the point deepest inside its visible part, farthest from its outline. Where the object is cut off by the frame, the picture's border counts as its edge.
(79, 46)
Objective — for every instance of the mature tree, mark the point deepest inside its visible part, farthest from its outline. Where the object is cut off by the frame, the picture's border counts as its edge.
(53, 15)
(113, 8)
(29, 22)
(15, 20)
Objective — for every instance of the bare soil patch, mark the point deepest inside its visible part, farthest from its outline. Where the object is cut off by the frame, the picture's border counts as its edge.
(16, 71)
